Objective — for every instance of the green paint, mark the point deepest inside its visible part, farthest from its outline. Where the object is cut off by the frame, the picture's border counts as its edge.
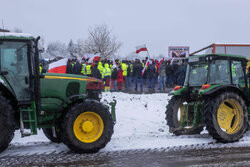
(179, 91)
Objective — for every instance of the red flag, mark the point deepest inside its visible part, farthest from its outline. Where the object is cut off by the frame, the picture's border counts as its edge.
(93, 58)
(58, 66)
(141, 48)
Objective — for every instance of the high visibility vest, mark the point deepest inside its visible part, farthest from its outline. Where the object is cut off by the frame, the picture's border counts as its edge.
(83, 69)
(131, 67)
(111, 67)
(124, 69)
(194, 72)
(100, 67)
(106, 72)
(40, 69)
(73, 64)
(88, 69)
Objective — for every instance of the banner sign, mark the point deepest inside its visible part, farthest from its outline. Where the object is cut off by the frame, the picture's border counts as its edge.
(178, 51)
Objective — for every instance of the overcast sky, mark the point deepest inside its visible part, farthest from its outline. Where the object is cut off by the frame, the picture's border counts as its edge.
(156, 23)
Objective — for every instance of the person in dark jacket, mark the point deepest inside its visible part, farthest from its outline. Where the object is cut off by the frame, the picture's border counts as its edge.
(162, 75)
(95, 71)
(151, 76)
(137, 73)
(169, 74)
(114, 77)
(77, 68)
(69, 67)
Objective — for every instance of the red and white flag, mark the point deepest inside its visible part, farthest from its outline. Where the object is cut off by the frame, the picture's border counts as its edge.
(147, 64)
(141, 48)
(94, 57)
(58, 66)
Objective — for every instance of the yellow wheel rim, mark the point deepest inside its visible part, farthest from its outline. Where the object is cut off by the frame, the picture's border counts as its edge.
(229, 116)
(88, 127)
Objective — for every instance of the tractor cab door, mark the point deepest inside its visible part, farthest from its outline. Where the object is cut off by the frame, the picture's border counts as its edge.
(15, 68)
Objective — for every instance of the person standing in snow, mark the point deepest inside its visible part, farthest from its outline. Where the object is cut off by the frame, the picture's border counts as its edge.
(162, 75)
(137, 73)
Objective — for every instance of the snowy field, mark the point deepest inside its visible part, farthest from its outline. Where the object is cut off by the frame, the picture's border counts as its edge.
(140, 125)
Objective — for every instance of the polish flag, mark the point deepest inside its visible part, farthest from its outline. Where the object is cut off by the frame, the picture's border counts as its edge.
(147, 64)
(141, 48)
(58, 66)
(94, 57)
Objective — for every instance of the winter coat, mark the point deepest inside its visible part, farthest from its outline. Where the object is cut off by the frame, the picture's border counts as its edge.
(151, 71)
(69, 68)
(162, 69)
(77, 68)
(114, 74)
(137, 70)
(169, 69)
(96, 72)
(120, 76)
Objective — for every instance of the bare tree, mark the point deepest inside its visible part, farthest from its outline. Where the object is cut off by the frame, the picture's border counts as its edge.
(101, 41)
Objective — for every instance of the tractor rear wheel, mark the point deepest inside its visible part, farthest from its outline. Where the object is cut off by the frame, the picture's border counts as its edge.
(226, 117)
(87, 127)
(174, 113)
(7, 123)
(49, 134)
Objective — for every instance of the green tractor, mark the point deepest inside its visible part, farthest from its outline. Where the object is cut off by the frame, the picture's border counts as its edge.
(215, 95)
(66, 107)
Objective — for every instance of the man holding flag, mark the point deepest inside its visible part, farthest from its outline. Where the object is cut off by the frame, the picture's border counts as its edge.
(138, 72)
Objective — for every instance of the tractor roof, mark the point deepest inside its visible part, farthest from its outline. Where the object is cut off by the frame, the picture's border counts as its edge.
(219, 55)
(11, 35)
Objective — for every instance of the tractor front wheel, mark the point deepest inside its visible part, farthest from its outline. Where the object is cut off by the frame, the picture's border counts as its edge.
(87, 127)
(226, 117)
(7, 123)
(174, 114)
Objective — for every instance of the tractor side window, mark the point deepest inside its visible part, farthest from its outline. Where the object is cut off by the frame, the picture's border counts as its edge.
(219, 72)
(238, 74)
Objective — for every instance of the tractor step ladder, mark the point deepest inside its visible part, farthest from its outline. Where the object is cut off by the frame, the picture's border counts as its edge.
(28, 117)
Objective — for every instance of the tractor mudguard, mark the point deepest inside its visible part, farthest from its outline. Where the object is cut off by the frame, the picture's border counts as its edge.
(227, 88)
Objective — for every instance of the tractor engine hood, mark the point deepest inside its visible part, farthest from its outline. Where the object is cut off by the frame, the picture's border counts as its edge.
(65, 86)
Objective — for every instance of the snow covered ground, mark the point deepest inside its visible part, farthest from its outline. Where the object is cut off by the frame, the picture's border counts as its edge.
(140, 125)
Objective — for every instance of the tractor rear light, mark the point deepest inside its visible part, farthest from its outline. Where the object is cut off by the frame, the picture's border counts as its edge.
(177, 88)
(205, 86)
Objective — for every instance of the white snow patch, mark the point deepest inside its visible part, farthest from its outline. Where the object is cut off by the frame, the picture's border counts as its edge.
(12, 34)
(140, 125)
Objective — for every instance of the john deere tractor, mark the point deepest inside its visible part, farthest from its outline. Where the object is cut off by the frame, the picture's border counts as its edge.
(215, 95)
(66, 107)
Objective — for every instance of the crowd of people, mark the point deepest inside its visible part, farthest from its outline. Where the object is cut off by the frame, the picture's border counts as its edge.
(134, 75)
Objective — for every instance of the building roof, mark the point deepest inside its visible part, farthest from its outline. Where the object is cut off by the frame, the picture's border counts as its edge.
(219, 55)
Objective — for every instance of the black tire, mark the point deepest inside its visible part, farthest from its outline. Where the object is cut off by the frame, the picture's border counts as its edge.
(48, 133)
(7, 123)
(68, 135)
(172, 118)
(211, 118)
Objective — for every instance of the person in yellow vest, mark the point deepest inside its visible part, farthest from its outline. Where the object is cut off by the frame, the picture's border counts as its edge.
(100, 67)
(125, 73)
(83, 71)
(88, 70)
(106, 75)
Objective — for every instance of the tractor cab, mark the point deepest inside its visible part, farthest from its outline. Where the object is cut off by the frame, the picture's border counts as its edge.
(205, 72)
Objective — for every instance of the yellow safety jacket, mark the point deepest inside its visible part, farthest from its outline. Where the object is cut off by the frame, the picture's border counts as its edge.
(83, 69)
(88, 69)
(131, 67)
(124, 69)
(100, 67)
(106, 71)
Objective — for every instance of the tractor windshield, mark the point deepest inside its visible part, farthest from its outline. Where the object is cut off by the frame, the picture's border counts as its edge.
(196, 74)
(219, 73)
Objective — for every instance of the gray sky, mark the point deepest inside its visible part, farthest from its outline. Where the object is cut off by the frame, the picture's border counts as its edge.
(156, 23)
